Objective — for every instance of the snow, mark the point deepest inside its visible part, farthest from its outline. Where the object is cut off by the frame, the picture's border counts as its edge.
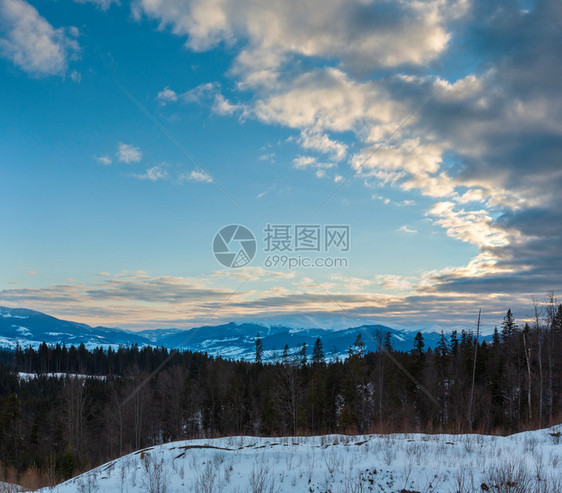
(7, 342)
(24, 331)
(10, 315)
(30, 376)
(9, 487)
(336, 463)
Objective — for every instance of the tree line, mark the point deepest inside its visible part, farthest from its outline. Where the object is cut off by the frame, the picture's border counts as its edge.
(115, 401)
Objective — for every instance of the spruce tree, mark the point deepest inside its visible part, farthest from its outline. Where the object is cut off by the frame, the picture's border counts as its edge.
(441, 347)
(509, 326)
(418, 345)
(496, 337)
(318, 353)
(358, 348)
(454, 342)
(441, 352)
(302, 355)
(259, 349)
(387, 345)
(418, 355)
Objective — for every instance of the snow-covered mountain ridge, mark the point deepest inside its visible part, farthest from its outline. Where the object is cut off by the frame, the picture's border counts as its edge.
(233, 340)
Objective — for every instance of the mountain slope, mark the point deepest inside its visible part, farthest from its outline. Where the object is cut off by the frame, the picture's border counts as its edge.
(338, 463)
(28, 327)
(238, 340)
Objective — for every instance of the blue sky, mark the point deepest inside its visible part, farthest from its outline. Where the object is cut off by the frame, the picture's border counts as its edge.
(106, 220)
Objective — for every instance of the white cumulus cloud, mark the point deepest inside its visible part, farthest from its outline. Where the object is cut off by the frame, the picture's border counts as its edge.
(31, 43)
(166, 95)
(127, 153)
(155, 173)
(198, 176)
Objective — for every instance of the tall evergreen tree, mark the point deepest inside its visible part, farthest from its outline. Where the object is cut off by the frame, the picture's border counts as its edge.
(302, 355)
(318, 353)
(454, 342)
(418, 345)
(441, 351)
(418, 355)
(358, 347)
(509, 327)
(259, 349)
(387, 345)
(496, 337)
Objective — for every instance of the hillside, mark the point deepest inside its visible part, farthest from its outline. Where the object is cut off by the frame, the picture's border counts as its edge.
(523, 462)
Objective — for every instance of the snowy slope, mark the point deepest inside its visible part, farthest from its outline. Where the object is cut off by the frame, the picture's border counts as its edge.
(531, 461)
(31, 328)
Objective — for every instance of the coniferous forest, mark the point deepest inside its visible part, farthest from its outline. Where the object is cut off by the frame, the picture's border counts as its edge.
(112, 402)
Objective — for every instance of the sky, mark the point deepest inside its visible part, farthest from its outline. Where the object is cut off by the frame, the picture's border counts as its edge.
(133, 132)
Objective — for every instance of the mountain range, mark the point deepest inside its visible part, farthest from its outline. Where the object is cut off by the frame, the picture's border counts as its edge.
(233, 340)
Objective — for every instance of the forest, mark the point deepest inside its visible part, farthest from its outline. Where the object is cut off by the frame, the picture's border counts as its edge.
(65, 410)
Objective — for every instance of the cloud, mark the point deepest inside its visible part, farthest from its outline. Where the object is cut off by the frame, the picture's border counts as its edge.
(197, 176)
(399, 203)
(326, 99)
(253, 273)
(138, 300)
(104, 159)
(167, 172)
(484, 151)
(351, 284)
(396, 283)
(384, 34)
(410, 164)
(267, 156)
(127, 153)
(200, 93)
(322, 143)
(474, 226)
(407, 229)
(166, 95)
(207, 93)
(223, 106)
(154, 173)
(303, 162)
(31, 43)
(101, 4)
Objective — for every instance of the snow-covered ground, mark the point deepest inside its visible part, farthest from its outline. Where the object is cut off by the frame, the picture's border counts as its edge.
(9, 488)
(30, 376)
(525, 462)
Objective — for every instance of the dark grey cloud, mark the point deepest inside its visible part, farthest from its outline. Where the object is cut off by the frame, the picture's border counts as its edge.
(154, 290)
(505, 131)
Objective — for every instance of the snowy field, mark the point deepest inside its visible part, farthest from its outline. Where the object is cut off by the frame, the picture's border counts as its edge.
(32, 376)
(525, 462)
